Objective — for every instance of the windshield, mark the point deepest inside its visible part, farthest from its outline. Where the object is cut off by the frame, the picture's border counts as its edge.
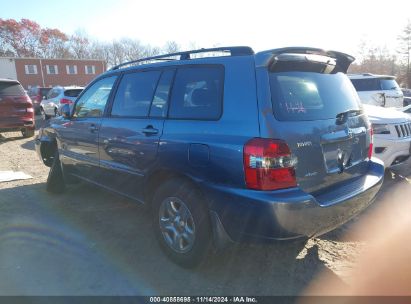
(44, 91)
(311, 96)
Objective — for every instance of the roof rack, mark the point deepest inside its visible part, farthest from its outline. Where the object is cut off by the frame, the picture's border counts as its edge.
(233, 50)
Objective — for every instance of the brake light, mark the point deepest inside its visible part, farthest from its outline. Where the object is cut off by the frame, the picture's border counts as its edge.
(65, 101)
(371, 143)
(268, 164)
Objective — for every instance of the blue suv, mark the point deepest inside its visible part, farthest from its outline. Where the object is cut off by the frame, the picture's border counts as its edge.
(223, 144)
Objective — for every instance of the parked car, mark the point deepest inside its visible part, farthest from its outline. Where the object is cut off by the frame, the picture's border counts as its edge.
(16, 109)
(406, 109)
(392, 134)
(407, 96)
(378, 90)
(58, 96)
(37, 94)
(245, 147)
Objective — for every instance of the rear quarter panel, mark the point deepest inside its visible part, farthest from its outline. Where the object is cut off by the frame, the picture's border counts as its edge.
(212, 151)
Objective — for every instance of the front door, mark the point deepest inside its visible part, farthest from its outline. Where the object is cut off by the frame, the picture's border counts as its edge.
(79, 135)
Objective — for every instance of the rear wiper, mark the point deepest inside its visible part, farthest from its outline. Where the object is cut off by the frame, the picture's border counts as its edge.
(342, 118)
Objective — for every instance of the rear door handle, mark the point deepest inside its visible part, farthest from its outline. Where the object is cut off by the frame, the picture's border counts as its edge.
(149, 130)
(93, 128)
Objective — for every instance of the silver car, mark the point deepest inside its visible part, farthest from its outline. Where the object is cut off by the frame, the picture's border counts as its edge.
(56, 98)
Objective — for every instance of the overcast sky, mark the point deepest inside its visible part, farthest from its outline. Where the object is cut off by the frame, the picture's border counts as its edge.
(339, 25)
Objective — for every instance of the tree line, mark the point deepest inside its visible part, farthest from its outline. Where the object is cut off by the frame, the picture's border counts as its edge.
(26, 38)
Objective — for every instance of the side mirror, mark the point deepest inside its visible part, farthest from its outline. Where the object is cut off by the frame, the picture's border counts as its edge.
(44, 97)
(65, 111)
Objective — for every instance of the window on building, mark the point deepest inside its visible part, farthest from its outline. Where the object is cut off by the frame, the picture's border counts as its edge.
(52, 69)
(30, 69)
(71, 69)
(90, 69)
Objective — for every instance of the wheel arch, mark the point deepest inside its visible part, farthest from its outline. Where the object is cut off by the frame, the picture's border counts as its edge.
(160, 176)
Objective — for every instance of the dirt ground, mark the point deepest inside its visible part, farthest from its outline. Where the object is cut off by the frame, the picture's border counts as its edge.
(90, 242)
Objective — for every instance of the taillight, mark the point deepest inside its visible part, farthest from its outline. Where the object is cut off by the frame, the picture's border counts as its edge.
(371, 143)
(65, 101)
(268, 164)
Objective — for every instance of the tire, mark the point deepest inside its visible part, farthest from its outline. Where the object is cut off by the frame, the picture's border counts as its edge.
(184, 236)
(44, 115)
(27, 133)
(55, 179)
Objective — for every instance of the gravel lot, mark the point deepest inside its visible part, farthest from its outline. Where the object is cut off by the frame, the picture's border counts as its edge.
(89, 242)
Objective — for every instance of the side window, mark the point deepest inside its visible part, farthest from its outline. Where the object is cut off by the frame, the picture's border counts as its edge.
(93, 101)
(160, 101)
(197, 93)
(53, 93)
(134, 94)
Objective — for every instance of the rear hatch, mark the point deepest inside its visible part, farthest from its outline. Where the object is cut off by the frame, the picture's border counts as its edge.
(321, 119)
(14, 102)
(379, 91)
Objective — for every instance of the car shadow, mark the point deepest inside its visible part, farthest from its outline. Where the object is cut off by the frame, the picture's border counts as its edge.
(396, 185)
(10, 136)
(91, 242)
(29, 145)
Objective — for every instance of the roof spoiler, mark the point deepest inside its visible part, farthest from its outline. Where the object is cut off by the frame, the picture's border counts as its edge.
(268, 58)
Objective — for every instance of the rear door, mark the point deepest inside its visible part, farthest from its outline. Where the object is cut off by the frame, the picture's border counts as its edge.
(129, 137)
(320, 117)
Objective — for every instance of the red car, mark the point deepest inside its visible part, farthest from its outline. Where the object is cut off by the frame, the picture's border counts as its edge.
(37, 94)
(16, 108)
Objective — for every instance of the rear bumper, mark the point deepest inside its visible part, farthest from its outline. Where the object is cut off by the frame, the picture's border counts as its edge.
(17, 124)
(247, 215)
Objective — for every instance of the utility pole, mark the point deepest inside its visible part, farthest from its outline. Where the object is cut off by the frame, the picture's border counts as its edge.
(42, 73)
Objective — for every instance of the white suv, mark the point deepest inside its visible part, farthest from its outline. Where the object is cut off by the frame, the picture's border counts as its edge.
(392, 134)
(378, 90)
(56, 98)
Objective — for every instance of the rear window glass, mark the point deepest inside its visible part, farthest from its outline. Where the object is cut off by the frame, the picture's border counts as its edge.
(367, 84)
(311, 96)
(389, 84)
(197, 93)
(73, 93)
(11, 88)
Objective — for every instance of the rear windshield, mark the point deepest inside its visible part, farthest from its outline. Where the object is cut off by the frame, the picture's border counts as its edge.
(311, 96)
(11, 88)
(389, 84)
(72, 93)
(366, 84)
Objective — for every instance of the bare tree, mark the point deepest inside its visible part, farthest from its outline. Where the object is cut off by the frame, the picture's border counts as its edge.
(405, 52)
(79, 45)
(171, 47)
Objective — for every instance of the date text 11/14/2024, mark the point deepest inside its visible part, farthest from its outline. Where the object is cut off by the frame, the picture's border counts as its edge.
(204, 299)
